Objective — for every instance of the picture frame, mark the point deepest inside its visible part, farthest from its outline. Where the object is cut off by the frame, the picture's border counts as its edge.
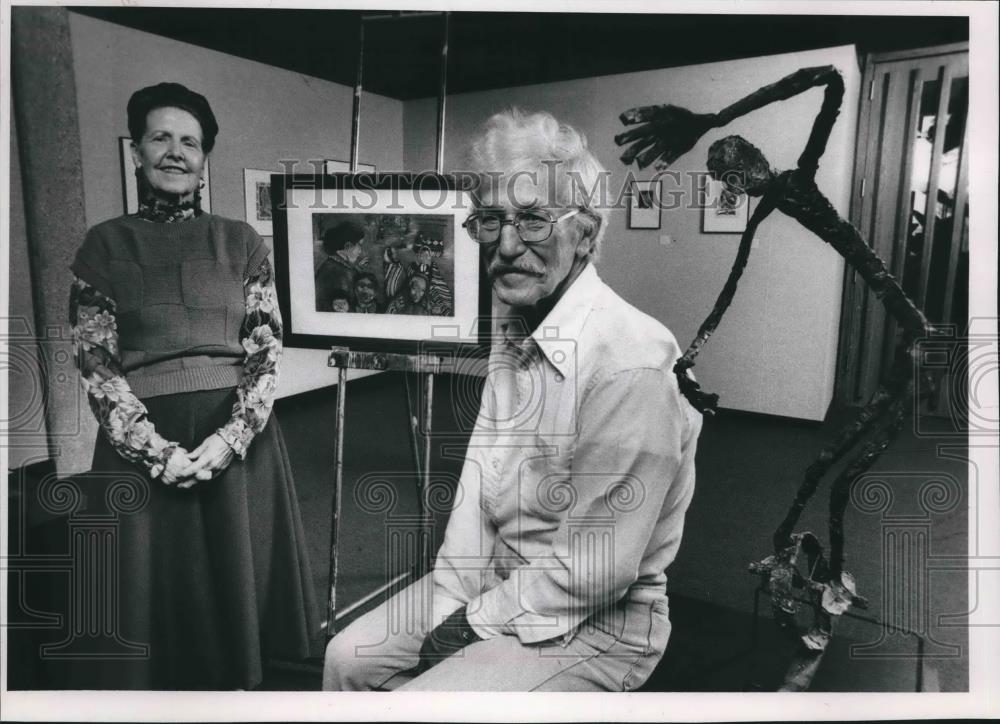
(644, 204)
(130, 186)
(331, 165)
(257, 200)
(412, 227)
(723, 212)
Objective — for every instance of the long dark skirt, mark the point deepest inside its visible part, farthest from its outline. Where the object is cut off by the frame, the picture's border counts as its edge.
(213, 579)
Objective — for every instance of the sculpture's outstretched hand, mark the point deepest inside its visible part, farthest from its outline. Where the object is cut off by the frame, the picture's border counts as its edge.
(667, 133)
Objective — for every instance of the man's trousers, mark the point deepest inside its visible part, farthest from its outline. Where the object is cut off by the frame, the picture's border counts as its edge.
(616, 649)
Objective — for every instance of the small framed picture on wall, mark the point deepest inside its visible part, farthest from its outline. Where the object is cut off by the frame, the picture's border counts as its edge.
(644, 200)
(724, 212)
(130, 186)
(257, 199)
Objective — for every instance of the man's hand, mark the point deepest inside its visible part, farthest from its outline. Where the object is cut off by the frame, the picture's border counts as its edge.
(173, 471)
(454, 634)
(207, 460)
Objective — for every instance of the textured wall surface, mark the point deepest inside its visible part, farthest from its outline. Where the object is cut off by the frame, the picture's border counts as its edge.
(25, 426)
(53, 186)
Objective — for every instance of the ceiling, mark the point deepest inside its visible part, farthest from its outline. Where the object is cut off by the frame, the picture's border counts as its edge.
(496, 50)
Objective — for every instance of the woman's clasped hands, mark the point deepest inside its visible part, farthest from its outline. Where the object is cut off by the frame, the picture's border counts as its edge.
(186, 469)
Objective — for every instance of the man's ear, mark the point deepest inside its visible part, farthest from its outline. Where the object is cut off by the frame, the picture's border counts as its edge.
(585, 246)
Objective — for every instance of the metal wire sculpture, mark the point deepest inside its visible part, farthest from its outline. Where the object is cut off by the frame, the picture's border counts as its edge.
(666, 133)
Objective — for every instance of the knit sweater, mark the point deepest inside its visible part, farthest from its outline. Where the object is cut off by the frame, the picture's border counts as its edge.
(179, 294)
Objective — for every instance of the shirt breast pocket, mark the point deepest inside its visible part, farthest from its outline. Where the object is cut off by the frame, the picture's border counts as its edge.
(547, 492)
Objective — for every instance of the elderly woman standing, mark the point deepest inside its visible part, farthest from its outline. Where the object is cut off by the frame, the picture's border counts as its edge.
(179, 337)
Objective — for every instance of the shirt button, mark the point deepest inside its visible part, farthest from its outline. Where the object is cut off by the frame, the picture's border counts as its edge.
(559, 377)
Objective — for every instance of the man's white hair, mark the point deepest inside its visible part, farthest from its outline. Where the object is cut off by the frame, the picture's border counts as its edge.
(515, 142)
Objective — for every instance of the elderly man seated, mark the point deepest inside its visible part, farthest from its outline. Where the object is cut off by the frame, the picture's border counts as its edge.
(579, 469)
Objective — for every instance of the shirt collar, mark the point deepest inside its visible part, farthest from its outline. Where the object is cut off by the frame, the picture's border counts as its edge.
(152, 208)
(558, 334)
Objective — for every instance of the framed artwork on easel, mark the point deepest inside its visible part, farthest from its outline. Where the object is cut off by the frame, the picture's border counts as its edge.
(376, 263)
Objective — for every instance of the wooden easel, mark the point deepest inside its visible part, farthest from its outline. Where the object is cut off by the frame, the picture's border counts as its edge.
(422, 364)
(426, 366)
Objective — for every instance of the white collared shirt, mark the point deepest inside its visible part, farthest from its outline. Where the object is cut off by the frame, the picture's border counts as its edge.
(578, 473)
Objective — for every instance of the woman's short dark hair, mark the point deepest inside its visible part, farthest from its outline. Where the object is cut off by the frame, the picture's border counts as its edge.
(366, 275)
(337, 237)
(171, 95)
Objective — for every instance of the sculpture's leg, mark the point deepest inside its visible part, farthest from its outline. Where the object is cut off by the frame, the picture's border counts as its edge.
(845, 440)
(840, 490)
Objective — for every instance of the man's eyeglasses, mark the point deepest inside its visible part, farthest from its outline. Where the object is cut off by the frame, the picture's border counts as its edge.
(533, 225)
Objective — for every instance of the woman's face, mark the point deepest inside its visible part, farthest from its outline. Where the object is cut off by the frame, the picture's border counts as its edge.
(352, 251)
(170, 154)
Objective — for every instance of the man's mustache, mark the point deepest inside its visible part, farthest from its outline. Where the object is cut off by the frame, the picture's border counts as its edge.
(498, 269)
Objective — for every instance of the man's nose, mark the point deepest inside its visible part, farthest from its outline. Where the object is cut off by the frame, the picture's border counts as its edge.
(511, 245)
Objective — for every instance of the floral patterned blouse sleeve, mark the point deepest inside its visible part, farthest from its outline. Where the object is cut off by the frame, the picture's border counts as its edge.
(120, 413)
(261, 338)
